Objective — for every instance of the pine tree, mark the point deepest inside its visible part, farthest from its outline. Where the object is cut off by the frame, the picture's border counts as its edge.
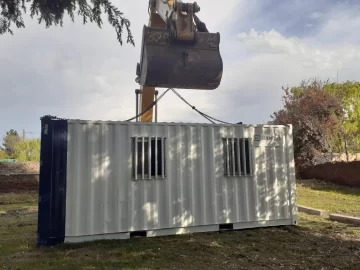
(51, 12)
(10, 140)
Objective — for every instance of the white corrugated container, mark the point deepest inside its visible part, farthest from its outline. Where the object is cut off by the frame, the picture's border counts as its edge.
(209, 177)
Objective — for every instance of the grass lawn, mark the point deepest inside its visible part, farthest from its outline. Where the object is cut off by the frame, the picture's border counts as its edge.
(328, 196)
(15, 201)
(11, 198)
(315, 244)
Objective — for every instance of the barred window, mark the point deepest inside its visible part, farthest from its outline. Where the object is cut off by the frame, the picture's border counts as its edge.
(148, 158)
(237, 157)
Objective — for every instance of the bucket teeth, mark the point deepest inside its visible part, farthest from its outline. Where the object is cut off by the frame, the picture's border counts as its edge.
(166, 63)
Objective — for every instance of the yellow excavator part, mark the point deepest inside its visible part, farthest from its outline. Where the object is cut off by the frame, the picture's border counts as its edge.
(177, 51)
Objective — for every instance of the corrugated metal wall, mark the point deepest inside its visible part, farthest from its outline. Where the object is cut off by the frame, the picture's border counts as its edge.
(102, 196)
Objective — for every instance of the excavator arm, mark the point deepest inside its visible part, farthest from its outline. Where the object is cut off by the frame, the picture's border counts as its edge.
(177, 52)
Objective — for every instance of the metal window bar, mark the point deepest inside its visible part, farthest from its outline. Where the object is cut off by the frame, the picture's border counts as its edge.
(149, 157)
(140, 142)
(156, 156)
(136, 159)
(143, 158)
(251, 157)
(244, 158)
(163, 157)
(233, 155)
(239, 159)
(228, 158)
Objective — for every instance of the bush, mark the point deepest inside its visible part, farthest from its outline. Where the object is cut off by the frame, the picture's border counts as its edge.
(315, 115)
(3, 155)
(28, 150)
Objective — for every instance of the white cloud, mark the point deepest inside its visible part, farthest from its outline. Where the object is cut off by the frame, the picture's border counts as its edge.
(80, 71)
(315, 15)
(217, 15)
(269, 42)
(253, 85)
(301, 51)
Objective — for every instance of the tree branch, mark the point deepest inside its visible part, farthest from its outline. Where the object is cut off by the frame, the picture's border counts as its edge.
(52, 13)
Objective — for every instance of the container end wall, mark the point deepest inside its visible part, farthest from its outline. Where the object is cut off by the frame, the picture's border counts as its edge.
(52, 182)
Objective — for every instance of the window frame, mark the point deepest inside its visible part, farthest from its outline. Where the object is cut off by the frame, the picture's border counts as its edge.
(238, 163)
(146, 159)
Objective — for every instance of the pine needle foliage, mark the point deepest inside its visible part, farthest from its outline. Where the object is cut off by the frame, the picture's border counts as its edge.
(51, 12)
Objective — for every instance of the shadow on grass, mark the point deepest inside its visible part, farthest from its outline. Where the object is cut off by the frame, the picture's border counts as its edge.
(315, 244)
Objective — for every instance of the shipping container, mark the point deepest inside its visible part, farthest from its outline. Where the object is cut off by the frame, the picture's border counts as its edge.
(114, 180)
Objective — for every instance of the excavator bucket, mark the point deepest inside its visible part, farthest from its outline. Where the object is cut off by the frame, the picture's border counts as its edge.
(166, 63)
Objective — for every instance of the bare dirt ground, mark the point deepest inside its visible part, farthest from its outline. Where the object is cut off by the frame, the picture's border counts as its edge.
(18, 183)
(19, 168)
(19, 177)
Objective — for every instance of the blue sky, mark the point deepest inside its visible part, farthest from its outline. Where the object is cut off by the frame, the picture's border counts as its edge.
(82, 72)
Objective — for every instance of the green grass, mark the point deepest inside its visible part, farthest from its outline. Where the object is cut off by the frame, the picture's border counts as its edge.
(316, 243)
(18, 206)
(11, 198)
(15, 201)
(328, 196)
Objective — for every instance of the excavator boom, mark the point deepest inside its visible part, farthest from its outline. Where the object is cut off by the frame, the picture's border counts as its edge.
(177, 52)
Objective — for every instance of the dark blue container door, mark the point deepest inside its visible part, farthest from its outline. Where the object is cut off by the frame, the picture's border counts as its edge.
(52, 182)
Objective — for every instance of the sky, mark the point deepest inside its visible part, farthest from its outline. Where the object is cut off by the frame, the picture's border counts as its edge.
(81, 72)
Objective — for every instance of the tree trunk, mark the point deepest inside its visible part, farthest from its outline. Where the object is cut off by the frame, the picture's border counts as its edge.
(345, 144)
